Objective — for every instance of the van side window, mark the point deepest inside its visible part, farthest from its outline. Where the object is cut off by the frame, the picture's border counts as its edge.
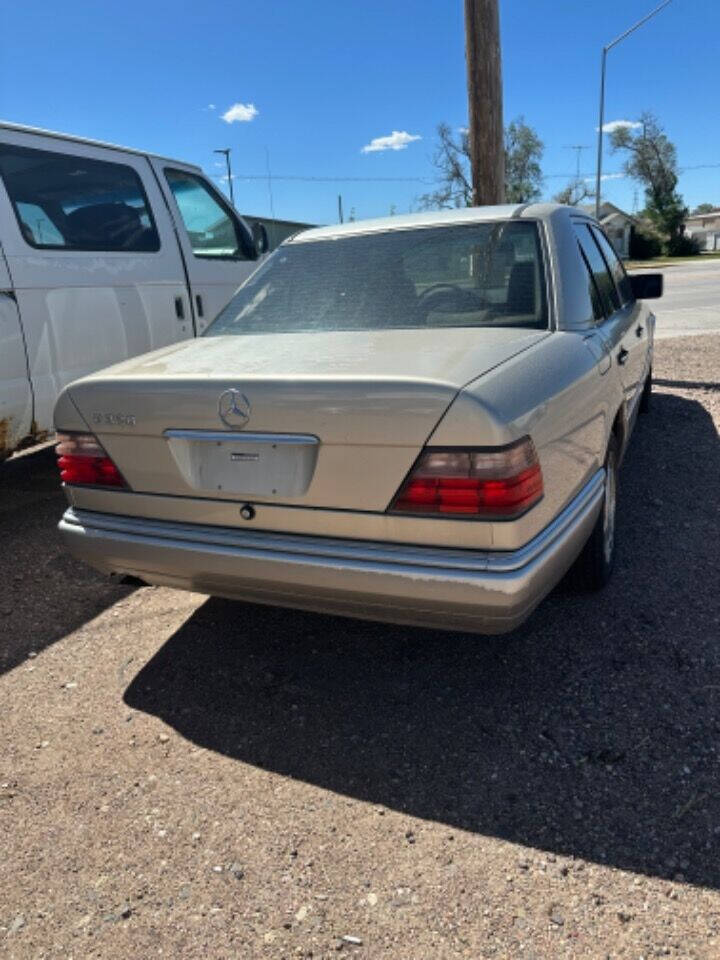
(213, 229)
(74, 203)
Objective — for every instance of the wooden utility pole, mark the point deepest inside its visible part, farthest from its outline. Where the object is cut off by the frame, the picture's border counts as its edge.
(484, 70)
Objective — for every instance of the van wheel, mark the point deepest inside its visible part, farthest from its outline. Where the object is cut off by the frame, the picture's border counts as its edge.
(594, 565)
(646, 394)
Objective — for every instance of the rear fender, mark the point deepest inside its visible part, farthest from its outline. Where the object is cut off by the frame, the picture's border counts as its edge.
(555, 394)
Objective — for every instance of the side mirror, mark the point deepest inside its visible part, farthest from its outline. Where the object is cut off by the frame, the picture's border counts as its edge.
(646, 286)
(260, 238)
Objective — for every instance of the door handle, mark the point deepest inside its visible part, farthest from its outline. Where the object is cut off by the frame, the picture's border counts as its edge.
(179, 308)
(199, 305)
(622, 356)
(639, 330)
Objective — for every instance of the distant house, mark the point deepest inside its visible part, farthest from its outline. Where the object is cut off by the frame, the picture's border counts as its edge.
(277, 230)
(617, 224)
(705, 228)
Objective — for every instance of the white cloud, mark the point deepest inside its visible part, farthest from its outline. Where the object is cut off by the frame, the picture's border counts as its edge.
(240, 113)
(620, 125)
(211, 106)
(397, 140)
(606, 176)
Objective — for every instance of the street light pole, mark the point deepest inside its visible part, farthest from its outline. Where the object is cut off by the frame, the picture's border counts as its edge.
(226, 153)
(609, 46)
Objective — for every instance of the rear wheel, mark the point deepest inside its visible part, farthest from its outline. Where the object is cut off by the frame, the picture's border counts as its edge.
(594, 565)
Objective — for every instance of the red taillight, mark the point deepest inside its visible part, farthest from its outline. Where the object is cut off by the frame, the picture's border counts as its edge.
(490, 484)
(82, 461)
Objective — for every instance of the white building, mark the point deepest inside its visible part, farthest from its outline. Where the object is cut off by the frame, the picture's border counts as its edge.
(617, 224)
(705, 228)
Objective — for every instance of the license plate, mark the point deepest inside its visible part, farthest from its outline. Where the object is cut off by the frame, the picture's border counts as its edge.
(244, 465)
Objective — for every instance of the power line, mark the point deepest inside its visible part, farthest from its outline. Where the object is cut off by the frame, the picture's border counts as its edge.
(426, 180)
(276, 176)
(700, 166)
(429, 181)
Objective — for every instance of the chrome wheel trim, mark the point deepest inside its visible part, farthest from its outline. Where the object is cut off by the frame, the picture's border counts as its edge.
(609, 511)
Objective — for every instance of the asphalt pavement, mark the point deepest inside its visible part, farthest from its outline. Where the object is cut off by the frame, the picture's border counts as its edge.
(691, 301)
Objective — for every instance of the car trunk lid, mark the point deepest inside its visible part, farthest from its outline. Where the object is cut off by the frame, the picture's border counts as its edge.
(326, 420)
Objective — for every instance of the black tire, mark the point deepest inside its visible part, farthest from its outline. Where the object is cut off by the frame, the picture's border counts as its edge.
(594, 566)
(646, 394)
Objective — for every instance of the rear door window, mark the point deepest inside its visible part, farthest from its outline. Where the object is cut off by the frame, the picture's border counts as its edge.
(214, 231)
(622, 281)
(69, 202)
(604, 282)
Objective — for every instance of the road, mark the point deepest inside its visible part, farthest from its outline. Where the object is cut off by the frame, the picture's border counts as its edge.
(691, 301)
(189, 778)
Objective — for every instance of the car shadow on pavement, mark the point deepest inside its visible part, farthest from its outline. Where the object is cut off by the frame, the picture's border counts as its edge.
(591, 732)
(44, 593)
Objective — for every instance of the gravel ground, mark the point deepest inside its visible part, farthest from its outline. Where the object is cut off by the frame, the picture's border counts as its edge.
(185, 777)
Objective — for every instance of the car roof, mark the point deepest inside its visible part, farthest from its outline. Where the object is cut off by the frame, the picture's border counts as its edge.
(430, 218)
(39, 131)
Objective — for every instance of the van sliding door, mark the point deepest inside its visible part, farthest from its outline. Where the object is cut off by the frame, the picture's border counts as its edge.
(16, 408)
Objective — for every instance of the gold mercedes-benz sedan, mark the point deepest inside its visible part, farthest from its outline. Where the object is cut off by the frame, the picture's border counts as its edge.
(417, 419)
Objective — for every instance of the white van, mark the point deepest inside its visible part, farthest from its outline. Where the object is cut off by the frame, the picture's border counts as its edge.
(104, 253)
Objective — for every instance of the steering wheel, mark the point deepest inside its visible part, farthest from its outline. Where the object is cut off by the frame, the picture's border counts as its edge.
(455, 296)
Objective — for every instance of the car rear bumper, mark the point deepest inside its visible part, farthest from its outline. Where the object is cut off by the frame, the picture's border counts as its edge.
(485, 592)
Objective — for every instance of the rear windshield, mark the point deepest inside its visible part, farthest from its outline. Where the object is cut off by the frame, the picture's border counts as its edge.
(482, 274)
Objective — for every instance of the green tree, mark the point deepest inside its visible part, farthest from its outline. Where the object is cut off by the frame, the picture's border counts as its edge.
(523, 153)
(703, 208)
(523, 174)
(652, 160)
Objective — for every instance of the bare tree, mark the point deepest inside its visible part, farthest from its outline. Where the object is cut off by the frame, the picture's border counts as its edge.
(523, 153)
(574, 193)
(452, 161)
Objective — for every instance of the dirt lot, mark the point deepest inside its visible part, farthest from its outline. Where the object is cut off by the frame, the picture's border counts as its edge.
(183, 777)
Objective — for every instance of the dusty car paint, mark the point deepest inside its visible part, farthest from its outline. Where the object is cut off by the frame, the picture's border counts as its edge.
(374, 400)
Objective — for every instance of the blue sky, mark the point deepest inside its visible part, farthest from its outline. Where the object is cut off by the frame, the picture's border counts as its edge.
(323, 79)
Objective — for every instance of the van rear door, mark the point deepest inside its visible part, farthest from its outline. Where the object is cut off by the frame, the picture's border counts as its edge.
(215, 241)
(92, 252)
(16, 409)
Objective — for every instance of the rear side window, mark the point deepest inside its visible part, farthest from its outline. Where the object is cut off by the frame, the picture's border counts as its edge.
(75, 203)
(593, 294)
(603, 281)
(214, 232)
(622, 281)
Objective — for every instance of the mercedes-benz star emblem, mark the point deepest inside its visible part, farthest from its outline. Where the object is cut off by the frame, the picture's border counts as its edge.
(234, 408)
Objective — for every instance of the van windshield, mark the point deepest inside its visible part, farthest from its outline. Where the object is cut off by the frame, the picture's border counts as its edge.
(481, 274)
